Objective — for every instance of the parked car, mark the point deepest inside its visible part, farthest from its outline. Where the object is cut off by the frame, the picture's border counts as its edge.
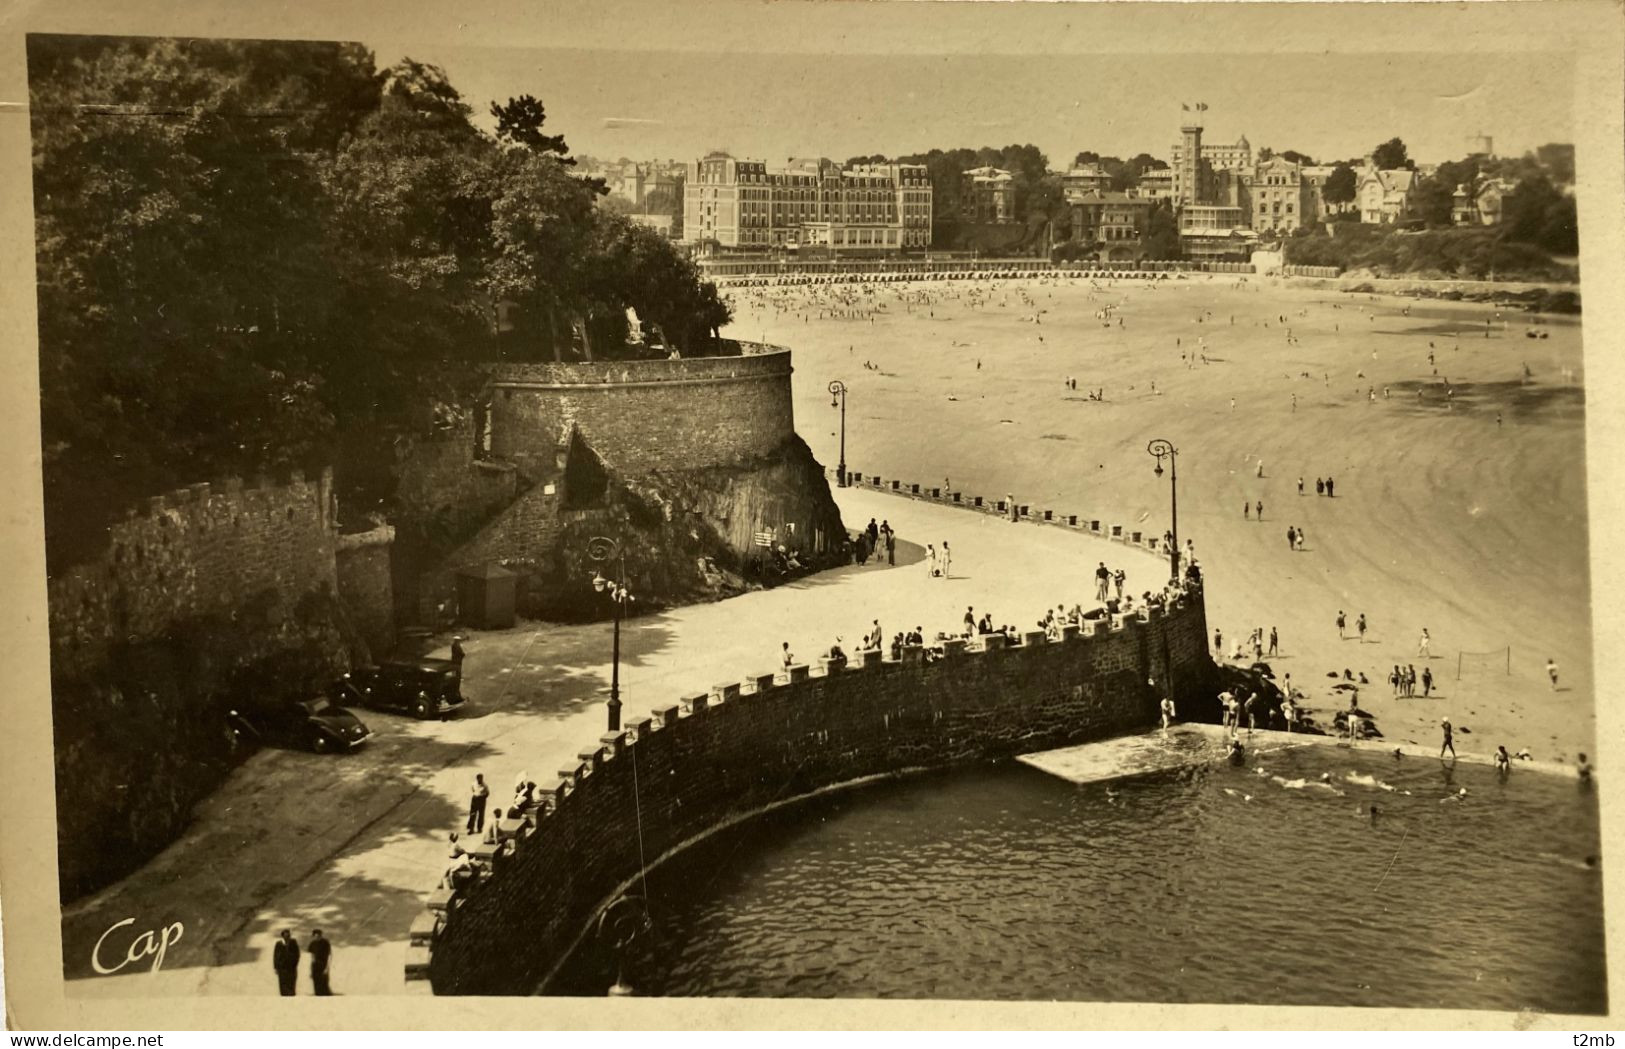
(424, 688)
(317, 723)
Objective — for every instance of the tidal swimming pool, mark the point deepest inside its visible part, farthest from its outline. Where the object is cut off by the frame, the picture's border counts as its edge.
(1208, 884)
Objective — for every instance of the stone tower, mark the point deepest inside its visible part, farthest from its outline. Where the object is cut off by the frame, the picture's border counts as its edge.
(1188, 173)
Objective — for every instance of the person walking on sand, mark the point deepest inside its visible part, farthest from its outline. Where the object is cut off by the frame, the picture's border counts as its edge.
(1275, 648)
(1320, 486)
(1300, 486)
(1218, 642)
(1427, 681)
(1422, 644)
(1449, 738)
(1341, 623)
(1360, 625)
(1551, 672)
(1291, 538)
(1329, 493)
(1258, 509)
(1246, 510)
(1260, 468)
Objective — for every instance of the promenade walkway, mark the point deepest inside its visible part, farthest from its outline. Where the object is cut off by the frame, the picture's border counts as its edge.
(352, 844)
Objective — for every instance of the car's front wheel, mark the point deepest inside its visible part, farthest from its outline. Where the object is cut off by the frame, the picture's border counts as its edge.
(421, 709)
(320, 743)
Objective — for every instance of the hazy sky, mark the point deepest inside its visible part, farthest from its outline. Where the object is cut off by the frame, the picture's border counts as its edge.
(774, 106)
(776, 78)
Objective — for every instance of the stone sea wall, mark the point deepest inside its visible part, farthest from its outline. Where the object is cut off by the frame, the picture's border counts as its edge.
(204, 598)
(717, 757)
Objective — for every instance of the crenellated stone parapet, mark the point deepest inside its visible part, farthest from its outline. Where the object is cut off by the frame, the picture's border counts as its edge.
(741, 748)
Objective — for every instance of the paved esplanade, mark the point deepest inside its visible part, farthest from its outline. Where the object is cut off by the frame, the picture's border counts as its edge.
(352, 844)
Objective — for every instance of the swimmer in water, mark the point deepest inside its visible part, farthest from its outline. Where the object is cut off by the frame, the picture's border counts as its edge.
(1365, 779)
(1457, 796)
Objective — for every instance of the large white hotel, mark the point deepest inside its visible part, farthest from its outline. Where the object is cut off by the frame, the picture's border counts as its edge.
(743, 205)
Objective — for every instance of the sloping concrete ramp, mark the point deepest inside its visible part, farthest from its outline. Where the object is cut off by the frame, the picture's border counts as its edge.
(1155, 751)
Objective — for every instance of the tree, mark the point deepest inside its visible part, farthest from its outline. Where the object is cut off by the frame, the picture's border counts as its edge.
(1558, 160)
(183, 262)
(1392, 156)
(1162, 232)
(1537, 213)
(520, 122)
(1433, 200)
(1298, 158)
(1265, 153)
(1340, 185)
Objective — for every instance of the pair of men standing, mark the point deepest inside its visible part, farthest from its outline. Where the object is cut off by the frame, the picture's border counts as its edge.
(285, 960)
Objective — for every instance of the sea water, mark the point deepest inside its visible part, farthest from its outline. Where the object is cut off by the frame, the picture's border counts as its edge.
(1206, 884)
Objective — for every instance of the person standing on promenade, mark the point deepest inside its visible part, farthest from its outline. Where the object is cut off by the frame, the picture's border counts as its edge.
(320, 951)
(1103, 578)
(789, 660)
(891, 547)
(478, 794)
(285, 960)
(947, 559)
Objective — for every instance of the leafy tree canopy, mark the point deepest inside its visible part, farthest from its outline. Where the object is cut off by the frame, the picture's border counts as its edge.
(258, 254)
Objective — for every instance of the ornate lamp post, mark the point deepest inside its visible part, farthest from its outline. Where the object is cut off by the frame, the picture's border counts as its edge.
(837, 398)
(1162, 449)
(602, 548)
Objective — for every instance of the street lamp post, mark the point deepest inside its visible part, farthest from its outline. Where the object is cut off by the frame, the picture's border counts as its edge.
(602, 548)
(1164, 449)
(837, 398)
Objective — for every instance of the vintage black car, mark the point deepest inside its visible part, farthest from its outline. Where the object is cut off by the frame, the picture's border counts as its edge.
(424, 688)
(317, 724)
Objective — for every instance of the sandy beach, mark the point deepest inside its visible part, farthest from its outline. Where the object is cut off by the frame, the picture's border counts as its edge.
(1459, 501)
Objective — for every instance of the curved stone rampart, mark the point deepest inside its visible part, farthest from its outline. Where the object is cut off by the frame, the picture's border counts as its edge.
(744, 747)
(642, 416)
